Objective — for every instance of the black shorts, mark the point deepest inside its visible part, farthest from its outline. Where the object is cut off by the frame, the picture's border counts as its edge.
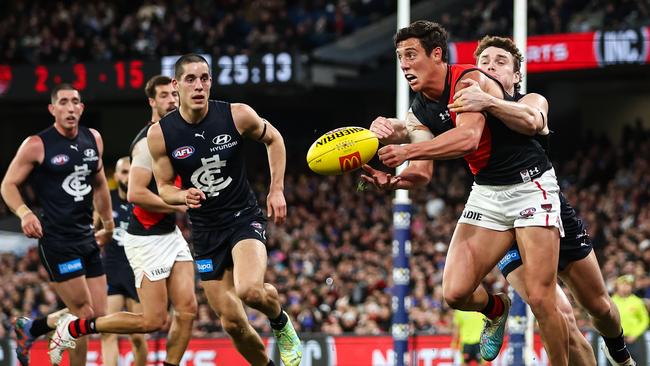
(471, 352)
(571, 250)
(66, 260)
(213, 249)
(121, 280)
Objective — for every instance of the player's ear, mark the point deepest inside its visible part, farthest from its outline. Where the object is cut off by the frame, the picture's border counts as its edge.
(152, 102)
(50, 108)
(517, 78)
(82, 106)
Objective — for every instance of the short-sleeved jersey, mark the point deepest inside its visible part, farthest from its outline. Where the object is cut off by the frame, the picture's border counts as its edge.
(503, 156)
(209, 156)
(114, 250)
(142, 221)
(63, 184)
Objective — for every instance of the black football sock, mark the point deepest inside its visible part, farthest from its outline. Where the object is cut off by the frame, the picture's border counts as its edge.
(279, 322)
(494, 307)
(39, 327)
(617, 348)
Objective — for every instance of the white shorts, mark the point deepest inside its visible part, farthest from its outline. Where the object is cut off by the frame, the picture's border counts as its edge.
(501, 208)
(154, 255)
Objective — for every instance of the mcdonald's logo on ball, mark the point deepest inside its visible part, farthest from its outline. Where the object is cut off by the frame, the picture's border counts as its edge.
(350, 162)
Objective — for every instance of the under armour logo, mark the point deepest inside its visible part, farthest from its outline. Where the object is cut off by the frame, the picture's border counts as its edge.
(533, 171)
(444, 115)
(74, 147)
(204, 177)
(75, 183)
(200, 135)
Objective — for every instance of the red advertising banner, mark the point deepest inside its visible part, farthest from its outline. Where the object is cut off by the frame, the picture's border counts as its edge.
(572, 51)
(318, 350)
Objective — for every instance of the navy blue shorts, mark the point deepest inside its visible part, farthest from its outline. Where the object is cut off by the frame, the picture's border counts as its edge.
(67, 260)
(213, 249)
(120, 280)
(571, 250)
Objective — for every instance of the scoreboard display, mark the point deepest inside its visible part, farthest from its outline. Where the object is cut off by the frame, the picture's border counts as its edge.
(125, 79)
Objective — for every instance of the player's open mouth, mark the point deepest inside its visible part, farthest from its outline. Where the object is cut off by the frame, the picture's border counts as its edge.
(410, 77)
(71, 118)
(198, 97)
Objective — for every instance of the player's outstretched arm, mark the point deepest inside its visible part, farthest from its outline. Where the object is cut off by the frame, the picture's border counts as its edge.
(252, 126)
(164, 173)
(102, 197)
(140, 176)
(30, 153)
(528, 116)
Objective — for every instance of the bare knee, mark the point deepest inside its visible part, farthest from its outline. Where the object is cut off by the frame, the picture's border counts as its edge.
(600, 307)
(541, 304)
(235, 326)
(188, 307)
(151, 324)
(252, 296)
(456, 299)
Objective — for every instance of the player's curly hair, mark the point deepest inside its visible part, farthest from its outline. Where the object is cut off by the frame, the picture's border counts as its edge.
(505, 44)
(430, 34)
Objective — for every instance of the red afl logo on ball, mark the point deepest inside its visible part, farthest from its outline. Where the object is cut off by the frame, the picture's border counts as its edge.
(350, 161)
(183, 152)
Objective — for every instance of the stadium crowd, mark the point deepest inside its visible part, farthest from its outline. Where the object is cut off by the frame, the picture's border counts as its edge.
(331, 261)
(39, 31)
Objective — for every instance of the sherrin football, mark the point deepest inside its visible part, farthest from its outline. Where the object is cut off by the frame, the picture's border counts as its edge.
(342, 150)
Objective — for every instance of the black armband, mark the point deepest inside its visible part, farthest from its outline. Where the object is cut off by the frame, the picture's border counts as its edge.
(263, 131)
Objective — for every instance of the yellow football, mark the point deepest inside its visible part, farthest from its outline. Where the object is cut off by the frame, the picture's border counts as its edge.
(342, 150)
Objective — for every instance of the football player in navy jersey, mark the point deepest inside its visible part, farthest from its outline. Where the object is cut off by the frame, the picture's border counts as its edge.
(578, 267)
(515, 193)
(119, 275)
(159, 256)
(202, 142)
(64, 166)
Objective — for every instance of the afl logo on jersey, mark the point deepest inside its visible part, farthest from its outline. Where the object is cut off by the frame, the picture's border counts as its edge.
(183, 152)
(60, 159)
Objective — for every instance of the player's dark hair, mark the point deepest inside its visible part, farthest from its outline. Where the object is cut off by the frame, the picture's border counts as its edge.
(505, 44)
(150, 88)
(54, 95)
(187, 59)
(430, 34)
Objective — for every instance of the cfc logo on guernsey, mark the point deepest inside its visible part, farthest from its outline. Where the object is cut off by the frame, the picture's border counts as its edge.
(205, 178)
(75, 183)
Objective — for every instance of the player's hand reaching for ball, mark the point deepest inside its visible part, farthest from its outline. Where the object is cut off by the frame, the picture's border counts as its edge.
(193, 197)
(31, 226)
(382, 127)
(379, 179)
(276, 206)
(392, 155)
